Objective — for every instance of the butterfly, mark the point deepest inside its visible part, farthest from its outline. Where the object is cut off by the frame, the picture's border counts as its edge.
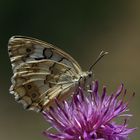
(43, 73)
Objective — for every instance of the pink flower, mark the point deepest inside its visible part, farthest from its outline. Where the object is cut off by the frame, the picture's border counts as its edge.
(89, 116)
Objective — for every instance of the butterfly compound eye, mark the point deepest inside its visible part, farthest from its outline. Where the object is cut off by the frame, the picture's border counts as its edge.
(90, 74)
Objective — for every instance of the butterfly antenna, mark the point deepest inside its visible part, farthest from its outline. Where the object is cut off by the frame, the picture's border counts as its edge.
(102, 53)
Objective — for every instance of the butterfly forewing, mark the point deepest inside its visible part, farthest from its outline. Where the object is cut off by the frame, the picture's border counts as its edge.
(42, 72)
(25, 49)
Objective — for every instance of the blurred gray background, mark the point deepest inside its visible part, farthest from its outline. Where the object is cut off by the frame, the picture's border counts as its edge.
(83, 29)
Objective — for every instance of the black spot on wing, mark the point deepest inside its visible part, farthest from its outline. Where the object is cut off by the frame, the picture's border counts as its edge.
(44, 50)
(47, 54)
(28, 50)
(29, 86)
(61, 59)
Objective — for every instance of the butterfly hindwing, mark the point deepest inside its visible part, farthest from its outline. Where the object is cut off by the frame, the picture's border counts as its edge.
(37, 83)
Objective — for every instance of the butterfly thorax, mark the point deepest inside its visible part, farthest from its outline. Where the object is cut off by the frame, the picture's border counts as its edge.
(85, 78)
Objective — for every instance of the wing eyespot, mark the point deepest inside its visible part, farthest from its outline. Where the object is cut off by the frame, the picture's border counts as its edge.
(34, 95)
(29, 86)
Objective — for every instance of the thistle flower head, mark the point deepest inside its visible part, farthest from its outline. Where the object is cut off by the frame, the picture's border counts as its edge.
(89, 116)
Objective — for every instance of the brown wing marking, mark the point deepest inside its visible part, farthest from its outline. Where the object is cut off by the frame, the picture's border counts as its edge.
(37, 83)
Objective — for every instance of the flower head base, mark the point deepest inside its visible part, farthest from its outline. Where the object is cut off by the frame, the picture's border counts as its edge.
(89, 116)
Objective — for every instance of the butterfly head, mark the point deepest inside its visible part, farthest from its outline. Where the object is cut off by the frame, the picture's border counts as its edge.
(85, 78)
